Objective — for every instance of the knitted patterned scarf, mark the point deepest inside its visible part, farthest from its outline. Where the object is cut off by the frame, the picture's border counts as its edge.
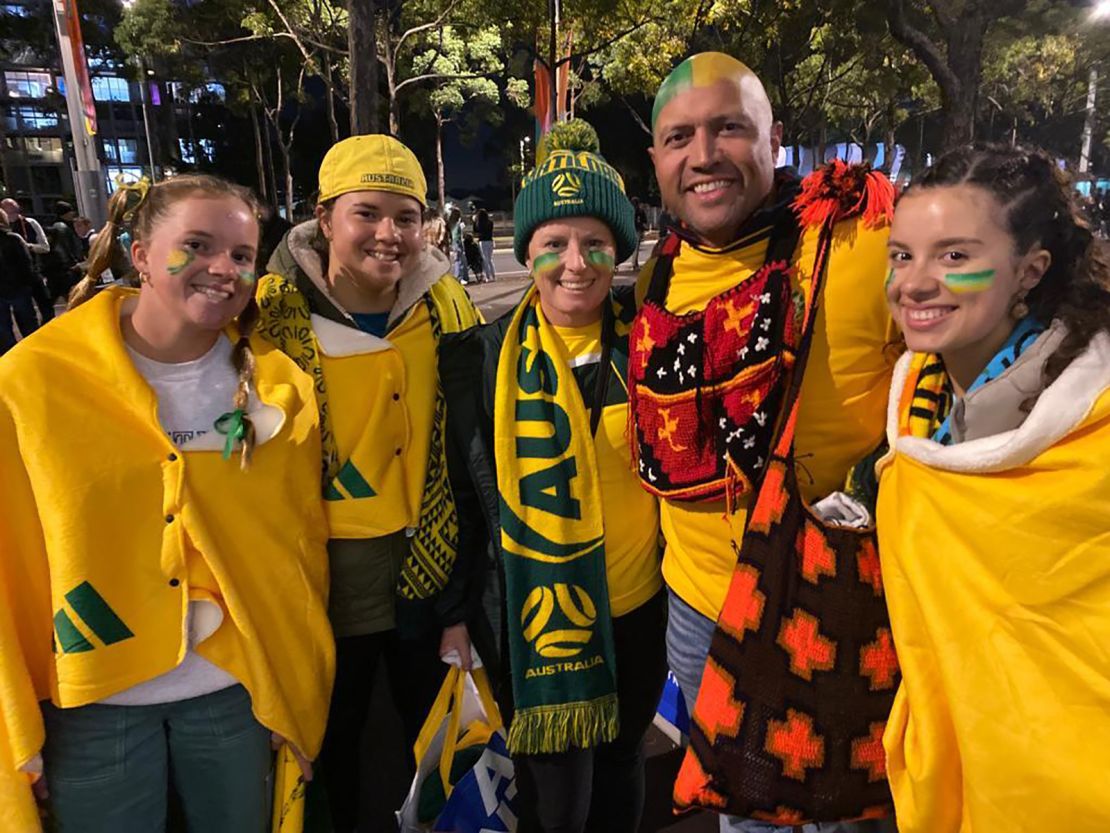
(553, 540)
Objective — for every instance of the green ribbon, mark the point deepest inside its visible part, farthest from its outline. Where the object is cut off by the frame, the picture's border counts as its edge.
(233, 425)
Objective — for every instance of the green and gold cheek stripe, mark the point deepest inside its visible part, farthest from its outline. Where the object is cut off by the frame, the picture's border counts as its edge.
(553, 539)
(547, 262)
(963, 283)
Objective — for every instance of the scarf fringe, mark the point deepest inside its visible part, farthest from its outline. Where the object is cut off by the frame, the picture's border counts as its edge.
(557, 728)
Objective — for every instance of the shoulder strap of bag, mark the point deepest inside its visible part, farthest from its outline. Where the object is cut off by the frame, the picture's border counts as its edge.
(604, 372)
(783, 445)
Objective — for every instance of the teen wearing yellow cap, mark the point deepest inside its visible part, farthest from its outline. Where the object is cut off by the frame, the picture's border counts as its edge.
(359, 300)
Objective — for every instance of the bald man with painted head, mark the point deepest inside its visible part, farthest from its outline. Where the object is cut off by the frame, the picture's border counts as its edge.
(710, 282)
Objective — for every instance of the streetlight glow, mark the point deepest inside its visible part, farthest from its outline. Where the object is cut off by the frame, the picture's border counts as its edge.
(1101, 10)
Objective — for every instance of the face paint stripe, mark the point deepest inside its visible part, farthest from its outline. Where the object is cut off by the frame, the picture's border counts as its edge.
(701, 70)
(247, 276)
(546, 262)
(602, 260)
(889, 278)
(179, 260)
(969, 281)
(681, 78)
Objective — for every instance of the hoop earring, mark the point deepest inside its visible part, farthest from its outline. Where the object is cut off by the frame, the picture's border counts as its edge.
(1020, 309)
(144, 277)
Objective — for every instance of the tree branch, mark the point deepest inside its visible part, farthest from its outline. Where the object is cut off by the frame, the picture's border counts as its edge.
(415, 30)
(447, 76)
(577, 56)
(906, 33)
(289, 29)
(636, 116)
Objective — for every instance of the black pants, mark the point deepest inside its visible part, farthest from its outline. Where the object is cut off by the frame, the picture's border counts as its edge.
(415, 676)
(42, 299)
(601, 790)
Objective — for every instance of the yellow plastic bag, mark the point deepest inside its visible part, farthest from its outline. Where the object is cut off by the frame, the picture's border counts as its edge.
(464, 717)
(289, 793)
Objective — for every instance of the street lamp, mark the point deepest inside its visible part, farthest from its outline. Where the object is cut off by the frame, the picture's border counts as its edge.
(1099, 13)
(143, 73)
(527, 140)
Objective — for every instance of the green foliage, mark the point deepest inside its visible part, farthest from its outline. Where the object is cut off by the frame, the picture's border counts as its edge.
(149, 28)
(575, 134)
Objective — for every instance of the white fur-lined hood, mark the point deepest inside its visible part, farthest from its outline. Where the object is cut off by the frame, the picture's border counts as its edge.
(1058, 411)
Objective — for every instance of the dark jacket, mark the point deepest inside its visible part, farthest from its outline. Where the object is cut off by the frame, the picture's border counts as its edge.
(17, 273)
(468, 372)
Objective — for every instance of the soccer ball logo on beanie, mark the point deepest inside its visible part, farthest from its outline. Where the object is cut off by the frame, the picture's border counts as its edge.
(566, 185)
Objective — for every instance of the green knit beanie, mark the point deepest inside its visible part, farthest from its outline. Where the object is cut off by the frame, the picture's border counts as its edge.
(573, 180)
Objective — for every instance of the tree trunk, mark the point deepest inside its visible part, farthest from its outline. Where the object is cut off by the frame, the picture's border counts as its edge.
(259, 159)
(441, 179)
(958, 68)
(363, 47)
(822, 144)
(890, 147)
(193, 149)
(553, 56)
(288, 170)
(391, 83)
(329, 99)
(268, 148)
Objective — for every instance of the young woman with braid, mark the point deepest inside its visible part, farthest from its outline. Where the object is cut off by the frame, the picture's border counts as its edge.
(993, 502)
(164, 571)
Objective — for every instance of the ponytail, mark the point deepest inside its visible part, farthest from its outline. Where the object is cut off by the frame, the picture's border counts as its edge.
(123, 205)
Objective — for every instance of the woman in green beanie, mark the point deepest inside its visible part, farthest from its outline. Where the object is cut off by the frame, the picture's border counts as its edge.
(567, 596)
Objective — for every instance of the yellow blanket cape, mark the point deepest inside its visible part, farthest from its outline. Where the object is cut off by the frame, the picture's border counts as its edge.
(996, 561)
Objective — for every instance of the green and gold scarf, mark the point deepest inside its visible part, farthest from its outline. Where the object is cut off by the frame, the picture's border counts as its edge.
(553, 539)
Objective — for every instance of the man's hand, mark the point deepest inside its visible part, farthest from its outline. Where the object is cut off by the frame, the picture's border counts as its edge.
(456, 638)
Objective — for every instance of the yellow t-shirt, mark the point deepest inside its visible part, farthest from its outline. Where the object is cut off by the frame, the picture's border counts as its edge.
(630, 515)
(843, 395)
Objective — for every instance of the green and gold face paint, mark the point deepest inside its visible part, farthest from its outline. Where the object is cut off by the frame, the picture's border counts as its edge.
(702, 70)
(247, 276)
(546, 262)
(603, 261)
(963, 283)
(179, 260)
(889, 278)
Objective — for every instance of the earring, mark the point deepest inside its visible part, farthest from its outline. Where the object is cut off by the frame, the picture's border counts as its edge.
(1020, 309)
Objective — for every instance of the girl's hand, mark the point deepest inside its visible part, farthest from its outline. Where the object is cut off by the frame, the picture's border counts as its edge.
(304, 763)
(39, 790)
(456, 638)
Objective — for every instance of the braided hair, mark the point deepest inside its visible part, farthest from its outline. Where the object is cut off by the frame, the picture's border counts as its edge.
(1041, 210)
(140, 209)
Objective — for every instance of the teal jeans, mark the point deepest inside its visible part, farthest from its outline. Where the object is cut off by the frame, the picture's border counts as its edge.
(108, 768)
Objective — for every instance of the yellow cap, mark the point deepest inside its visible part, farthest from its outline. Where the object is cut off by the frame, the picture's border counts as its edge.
(375, 162)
